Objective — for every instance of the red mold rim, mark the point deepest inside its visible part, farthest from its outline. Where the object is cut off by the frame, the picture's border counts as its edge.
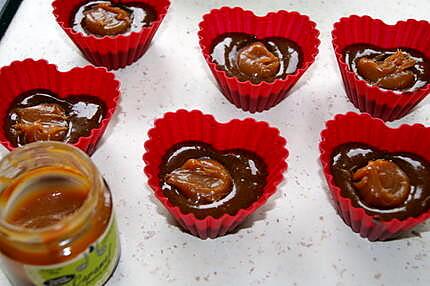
(263, 84)
(66, 27)
(151, 169)
(95, 132)
(325, 158)
(392, 97)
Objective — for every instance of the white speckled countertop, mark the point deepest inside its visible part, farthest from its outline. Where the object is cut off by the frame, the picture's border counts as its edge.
(296, 238)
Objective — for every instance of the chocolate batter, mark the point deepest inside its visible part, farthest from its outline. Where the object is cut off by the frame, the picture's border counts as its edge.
(103, 18)
(247, 172)
(248, 58)
(41, 115)
(400, 69)
(412, 175)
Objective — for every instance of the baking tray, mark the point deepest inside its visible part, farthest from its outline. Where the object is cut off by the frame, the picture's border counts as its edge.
(8, 9)
(296, 238)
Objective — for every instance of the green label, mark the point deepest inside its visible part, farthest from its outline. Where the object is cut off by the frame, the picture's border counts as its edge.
(91, 268)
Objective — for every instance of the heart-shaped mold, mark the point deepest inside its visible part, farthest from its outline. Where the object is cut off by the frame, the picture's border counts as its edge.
(385, 104)
(112, 52)
(290, 25)
(248, 134)
(27, 75)
(362, 128)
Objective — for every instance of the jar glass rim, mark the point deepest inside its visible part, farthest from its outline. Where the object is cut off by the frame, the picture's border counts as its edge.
(68, 223)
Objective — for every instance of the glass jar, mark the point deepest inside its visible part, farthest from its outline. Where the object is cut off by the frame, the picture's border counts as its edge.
(57, 225)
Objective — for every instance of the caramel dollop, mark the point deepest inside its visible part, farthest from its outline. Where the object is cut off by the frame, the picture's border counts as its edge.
(202, 181)
(382, 184)
(47, 121)
(106, 20)
(391, 73)
(255, 60)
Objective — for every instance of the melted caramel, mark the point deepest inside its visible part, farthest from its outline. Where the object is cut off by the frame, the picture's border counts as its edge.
(202, 181)
(39, 115)
(406, 180)
(255, 60)
(243, 174)
(401, 69)
(381, 183)
(246, 57)
(46, 121)
(104, 19)
(47, 198)
(391, 73)
(44, 197)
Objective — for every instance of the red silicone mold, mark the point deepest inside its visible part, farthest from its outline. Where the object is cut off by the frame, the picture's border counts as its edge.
(247, 134)
(385, 104)
(362, 128)
(292, 25)
(113, 52)
(22, 76)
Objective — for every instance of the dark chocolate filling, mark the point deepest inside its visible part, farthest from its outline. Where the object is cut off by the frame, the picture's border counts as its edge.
(83, 112)
(248, 171)
(421, 69)
(348, 158)
(226, 47)
(142, 14)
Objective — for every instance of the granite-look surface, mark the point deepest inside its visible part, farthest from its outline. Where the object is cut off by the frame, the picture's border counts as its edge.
(296, 238)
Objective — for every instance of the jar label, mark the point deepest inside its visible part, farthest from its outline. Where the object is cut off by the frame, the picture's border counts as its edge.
(91, 268)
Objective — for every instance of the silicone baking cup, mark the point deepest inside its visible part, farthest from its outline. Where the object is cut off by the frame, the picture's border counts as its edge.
(292, 25)
(362, 128)
(248, 134)
(113, 52)
(385, 104)
(27, 75)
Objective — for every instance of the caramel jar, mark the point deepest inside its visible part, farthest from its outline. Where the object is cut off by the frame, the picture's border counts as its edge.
(57, 225)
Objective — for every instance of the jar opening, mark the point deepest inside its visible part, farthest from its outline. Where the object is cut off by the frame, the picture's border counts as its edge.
(44, 197)
(46, 190)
